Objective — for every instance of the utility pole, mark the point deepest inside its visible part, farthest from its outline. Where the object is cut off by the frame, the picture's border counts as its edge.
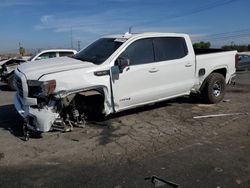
(71, 37)
(21, 49)
(79, 45)
(130, 29)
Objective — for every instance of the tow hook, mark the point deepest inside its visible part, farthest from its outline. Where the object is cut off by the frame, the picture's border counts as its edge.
(26, 132)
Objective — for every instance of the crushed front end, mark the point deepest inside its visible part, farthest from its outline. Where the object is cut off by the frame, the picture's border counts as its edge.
(44, 110)
(39, 112)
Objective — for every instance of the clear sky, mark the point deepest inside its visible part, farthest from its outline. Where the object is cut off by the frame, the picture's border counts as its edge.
(48, 23)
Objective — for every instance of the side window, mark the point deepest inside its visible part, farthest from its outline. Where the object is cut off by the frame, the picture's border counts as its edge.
(169, 48)
(139, 52)
(46, 55)
(61, 54)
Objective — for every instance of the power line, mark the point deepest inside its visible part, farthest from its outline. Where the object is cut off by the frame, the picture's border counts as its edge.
(230, 32)
(209, 6)
(193, 11)
(233, 36)
(247, 35)
(226, 35)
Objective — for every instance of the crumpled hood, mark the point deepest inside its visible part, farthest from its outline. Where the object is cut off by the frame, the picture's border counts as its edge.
(11, 61)
(34, 70)
(3, 62)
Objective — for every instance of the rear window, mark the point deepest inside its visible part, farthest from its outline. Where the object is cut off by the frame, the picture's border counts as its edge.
(169, 48)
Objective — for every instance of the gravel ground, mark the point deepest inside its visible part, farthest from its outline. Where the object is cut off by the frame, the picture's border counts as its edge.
(162, 139)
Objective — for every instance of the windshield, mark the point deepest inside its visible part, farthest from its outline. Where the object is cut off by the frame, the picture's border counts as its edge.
(99, 51)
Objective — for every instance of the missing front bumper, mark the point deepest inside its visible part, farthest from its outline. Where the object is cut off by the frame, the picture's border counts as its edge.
(39, 120)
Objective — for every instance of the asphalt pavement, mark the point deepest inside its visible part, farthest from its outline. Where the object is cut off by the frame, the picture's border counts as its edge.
(126, 150)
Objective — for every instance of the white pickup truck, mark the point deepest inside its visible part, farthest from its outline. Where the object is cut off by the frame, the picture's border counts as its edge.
(116, 73)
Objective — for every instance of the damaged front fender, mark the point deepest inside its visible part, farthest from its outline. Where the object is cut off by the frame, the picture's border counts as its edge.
(90, 91)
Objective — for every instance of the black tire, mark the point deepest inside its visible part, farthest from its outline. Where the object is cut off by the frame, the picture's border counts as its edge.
(11, 83)
(214, 89)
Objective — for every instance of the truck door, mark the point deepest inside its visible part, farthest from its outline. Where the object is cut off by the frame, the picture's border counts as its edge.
(175, 66)
(134, 84)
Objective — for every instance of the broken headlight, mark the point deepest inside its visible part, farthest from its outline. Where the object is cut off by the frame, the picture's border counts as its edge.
(41, 88)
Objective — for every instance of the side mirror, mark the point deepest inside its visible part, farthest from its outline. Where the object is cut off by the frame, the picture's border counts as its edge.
(122, 63)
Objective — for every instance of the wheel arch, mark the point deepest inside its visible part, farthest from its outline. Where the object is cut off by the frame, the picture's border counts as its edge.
(91, 91)
(222, 71)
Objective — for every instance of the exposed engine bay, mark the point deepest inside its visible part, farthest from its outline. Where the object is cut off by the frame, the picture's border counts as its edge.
(76, 108)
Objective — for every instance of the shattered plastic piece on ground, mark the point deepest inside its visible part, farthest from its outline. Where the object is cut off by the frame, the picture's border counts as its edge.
(158, 182)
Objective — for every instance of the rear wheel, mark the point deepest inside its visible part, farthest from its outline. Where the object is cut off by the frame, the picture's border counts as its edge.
(11, 83)
(214, 90)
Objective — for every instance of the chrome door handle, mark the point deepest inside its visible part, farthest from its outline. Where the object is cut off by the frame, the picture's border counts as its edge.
(153, 70)
(188, 65)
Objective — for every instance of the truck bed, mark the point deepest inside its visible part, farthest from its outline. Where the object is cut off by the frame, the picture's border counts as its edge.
(200, 51)
(212, 59)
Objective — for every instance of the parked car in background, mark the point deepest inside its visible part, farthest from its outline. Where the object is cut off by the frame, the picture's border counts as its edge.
(244, 62)
(7, 67)
(46, 54)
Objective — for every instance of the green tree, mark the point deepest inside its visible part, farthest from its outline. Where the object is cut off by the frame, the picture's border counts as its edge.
(202, 44)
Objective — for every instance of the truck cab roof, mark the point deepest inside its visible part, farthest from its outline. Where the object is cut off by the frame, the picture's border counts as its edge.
(146, 34)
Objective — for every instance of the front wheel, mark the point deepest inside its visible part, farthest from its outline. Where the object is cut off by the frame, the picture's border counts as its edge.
(214, 90)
